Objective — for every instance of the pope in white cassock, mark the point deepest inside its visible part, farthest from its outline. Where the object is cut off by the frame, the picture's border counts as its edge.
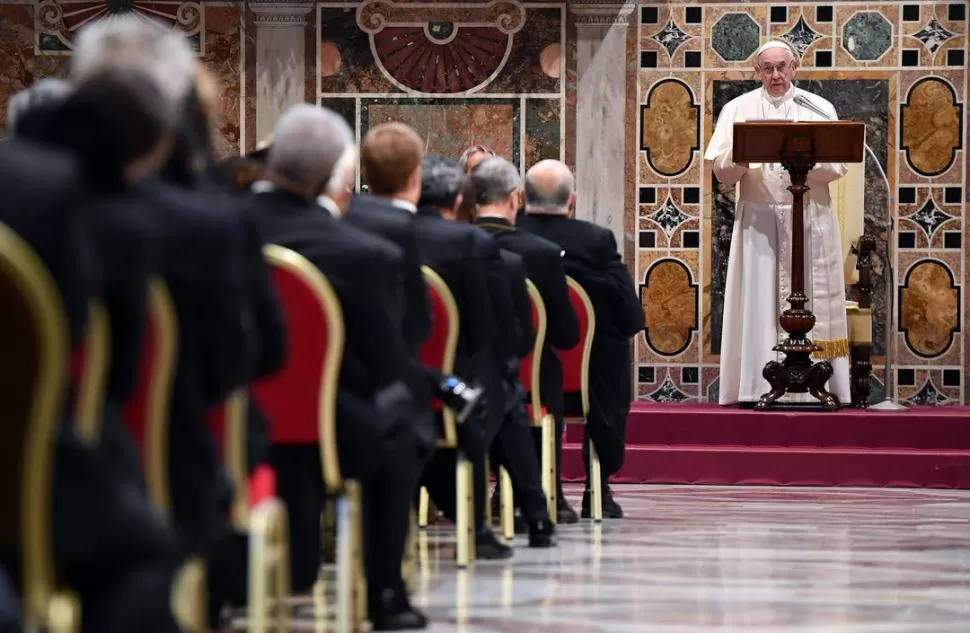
(759, 275)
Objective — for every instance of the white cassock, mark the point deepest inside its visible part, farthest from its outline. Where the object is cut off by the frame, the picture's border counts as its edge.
(759, 265)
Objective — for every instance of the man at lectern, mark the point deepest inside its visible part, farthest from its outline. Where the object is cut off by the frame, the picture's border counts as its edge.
(759, 275)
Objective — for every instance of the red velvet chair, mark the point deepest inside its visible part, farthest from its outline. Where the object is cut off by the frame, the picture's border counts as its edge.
(257, 511)
(301, 403)
(33, 382)
(538, 414)
(439, 352)
(575, 380)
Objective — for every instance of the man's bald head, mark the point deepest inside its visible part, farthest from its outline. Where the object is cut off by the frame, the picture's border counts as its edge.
(549, 188)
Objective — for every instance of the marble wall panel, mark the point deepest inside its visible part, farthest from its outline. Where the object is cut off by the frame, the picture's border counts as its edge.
(533, 65)
(19, 65)
(929, 299)
(223, 49)
(670, 294)
(812, 39)
(542, 130)
(449, 126)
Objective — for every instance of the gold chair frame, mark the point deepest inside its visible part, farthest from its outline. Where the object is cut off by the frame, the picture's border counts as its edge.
(351, 582)
(267, 526)
(595, 474)
(44, 606)
(464, 476)
(161, 309)
(545, 422)
(91, 390)
(189, 591)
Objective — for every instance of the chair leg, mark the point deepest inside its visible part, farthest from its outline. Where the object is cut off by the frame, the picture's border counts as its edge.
(549, 465)
(260, 529)
(189, 597)
(346, 577)
(360, 597)
(282, 585)
(465, 512)
(506, 504)
(596, 484)
(424, 501)
(488, 505)
(409, 566)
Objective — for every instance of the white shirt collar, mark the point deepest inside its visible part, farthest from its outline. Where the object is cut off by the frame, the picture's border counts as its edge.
(262, 186)
(327, 203)
(788, 96)
(404, 204)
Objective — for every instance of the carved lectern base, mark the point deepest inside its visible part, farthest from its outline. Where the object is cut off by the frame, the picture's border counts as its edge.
(798, 374)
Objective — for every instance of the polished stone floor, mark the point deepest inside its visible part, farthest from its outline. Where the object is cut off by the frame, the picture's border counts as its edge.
(698, 559)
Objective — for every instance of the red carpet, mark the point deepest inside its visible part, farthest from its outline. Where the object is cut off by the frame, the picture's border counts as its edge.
(707, 444)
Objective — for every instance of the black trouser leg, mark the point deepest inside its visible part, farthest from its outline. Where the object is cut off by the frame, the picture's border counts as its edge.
(439, 480)
(387, 504)
(513, 451)
(300, 487)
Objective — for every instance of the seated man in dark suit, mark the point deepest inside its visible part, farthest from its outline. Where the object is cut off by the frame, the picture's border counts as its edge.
(378, 441)
(497, 185)
(505, 303)
(592, 259)
(110, 545)
(201, 258)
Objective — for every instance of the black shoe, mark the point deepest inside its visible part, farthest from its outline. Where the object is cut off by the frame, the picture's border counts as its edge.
(393, 612)
(540, 534)
(611, 509)
(566, 514)
(488, 547)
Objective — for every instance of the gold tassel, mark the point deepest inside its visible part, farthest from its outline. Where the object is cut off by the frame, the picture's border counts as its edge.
(837, 348)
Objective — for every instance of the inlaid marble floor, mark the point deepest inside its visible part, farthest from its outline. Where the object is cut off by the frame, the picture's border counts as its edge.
(697, 559)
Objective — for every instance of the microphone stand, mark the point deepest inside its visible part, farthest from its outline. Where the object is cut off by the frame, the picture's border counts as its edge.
(889, 402)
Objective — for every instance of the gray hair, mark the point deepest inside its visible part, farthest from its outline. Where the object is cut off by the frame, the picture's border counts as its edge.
(309, 143)
(474, 149)
(49, 91)
(441, 180)
(129, 42)
(553, 200)
(495, 180)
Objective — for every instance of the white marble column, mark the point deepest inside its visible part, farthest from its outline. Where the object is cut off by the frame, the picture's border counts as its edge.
(601, 30)
(280, 58)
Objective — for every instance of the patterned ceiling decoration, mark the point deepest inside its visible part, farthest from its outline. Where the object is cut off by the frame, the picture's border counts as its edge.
(426, 49)
(58, 21)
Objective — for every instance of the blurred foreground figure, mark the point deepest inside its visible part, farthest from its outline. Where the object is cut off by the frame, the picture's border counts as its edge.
(309, 179)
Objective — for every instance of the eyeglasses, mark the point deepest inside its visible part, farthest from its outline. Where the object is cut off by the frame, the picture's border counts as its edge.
(769, 70)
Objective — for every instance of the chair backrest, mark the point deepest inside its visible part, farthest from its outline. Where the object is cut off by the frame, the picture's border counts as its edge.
(148, 413)
(575, 361)
(33, 380)
(441, 347)
(227, 422)
(300, 400)
(531, 365)
(90, 372)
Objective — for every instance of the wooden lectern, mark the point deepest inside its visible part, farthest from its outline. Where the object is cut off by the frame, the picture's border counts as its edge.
(798, 147)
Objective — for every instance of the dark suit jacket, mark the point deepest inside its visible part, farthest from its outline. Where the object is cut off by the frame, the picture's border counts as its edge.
(543, 264)
(364, 272)
(202, 263)
(460, 253)
(592, 259)
(39, 204)
(380, 217)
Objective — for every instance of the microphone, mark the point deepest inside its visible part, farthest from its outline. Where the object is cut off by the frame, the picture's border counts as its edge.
(889, 403)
